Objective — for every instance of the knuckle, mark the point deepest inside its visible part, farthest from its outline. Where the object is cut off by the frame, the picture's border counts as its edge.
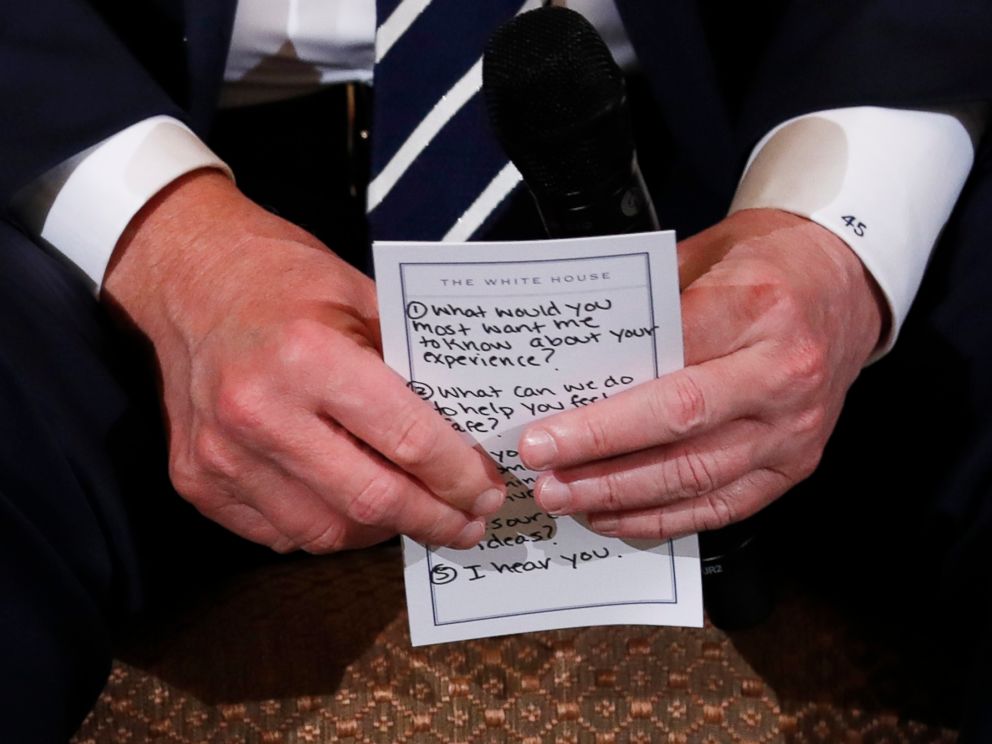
(188, 474)
(298, 341)
(782, 300)
(811, 421)
(442, 531)
(688, 411)
(327, 538)
(716, 511)
(771, 482)
(240, 403)
(596, 437)
(416, 442)
(183, 475)
(658, 526)
(808, 463)
(210, 456)
(693, 475)
(282, 546)
(612, 489)
(766, 297)
(806, 365)
(375, 503)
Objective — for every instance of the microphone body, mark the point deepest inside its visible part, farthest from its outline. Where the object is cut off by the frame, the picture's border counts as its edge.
(558, 105)
(627, 208)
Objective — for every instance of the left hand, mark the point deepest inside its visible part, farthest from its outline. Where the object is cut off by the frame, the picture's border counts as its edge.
(779, 316)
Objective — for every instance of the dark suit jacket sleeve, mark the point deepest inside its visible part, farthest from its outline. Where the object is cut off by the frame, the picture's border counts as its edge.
(67, 81)
(897, 53)
(801, 56)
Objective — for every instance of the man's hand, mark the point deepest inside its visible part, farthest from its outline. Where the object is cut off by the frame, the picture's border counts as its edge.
(285, 425)
(779, 316)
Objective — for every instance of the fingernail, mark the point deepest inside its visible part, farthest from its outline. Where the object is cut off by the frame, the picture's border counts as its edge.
(470, 534)
(540, 449)
(553, 496)
(604, 525)
(488, 503)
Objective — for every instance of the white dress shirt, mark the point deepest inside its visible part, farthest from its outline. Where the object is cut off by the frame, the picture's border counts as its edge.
(883, 180)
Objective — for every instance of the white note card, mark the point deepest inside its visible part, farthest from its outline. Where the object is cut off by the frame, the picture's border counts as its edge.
(495, 336)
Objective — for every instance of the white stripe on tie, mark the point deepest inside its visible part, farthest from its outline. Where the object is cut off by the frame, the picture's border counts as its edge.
(390, 30)
(490, 198)
(449, 105)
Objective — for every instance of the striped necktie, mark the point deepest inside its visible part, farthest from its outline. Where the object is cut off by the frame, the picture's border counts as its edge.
(437, 171)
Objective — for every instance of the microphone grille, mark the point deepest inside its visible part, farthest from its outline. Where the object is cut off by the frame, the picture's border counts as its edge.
(557, 101)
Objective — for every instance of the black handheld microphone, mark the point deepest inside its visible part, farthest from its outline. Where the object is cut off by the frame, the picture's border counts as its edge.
(558, 104)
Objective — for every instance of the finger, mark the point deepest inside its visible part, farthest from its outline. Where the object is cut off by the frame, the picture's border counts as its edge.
(672, 408)
(354, 481)
(658, 476)
(307, 521)
(375, 405)
(732, 503)
(271, 509)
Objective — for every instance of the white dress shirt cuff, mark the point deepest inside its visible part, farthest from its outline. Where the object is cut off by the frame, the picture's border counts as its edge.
(82, 206)
(883, 180)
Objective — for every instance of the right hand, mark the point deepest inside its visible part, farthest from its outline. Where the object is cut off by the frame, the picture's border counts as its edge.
(779, 316)
(285, 425)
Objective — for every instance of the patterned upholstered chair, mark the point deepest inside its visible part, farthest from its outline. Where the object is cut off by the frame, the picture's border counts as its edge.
(317, 650)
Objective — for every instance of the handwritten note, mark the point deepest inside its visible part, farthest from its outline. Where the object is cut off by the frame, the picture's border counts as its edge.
(495, 336)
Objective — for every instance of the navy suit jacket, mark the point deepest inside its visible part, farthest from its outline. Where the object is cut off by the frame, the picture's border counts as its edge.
(73, 72)
(76, 71)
